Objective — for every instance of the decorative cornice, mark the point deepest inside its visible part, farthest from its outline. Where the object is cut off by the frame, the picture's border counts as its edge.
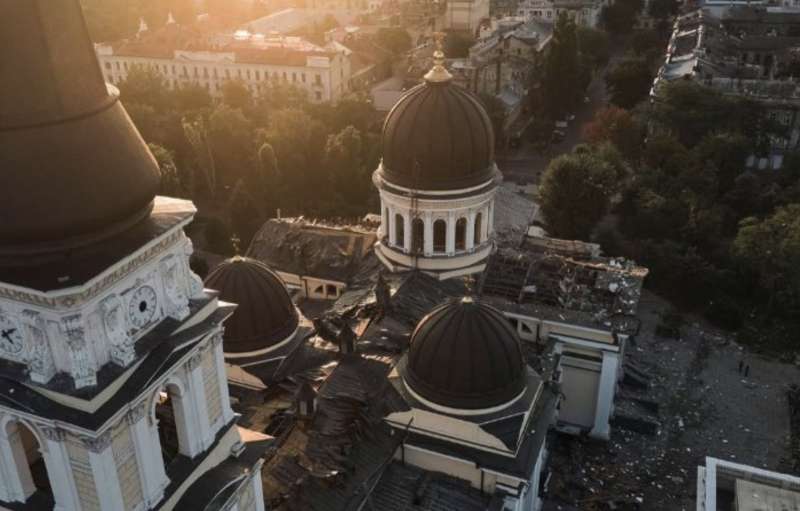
(194, 361)
(136, 413)
(54, 434)
(97, 444)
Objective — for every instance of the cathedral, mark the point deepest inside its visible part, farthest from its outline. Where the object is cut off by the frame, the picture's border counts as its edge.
(113, 393)
(432, 374)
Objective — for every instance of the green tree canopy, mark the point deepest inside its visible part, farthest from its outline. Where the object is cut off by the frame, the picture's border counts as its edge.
(593, 46)
(629, 82)
(395, 39)
(770, 248)
(562, 80)
(575, 194)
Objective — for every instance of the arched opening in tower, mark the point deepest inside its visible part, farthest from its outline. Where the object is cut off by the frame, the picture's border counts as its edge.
(439, 236)
(170, 420)
(28, 459)
(399, 228)
(478, 227)
(417, 236)
(461, 234)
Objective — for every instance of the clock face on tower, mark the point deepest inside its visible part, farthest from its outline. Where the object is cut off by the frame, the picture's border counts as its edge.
(11, 340)
(142, 306)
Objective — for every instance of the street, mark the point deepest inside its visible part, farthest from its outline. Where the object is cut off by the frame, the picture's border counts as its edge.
(526, 164)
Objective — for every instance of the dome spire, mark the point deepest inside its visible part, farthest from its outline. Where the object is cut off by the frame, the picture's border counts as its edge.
(438, 73)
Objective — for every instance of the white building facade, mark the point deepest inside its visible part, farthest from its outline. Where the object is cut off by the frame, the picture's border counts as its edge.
(323, 74)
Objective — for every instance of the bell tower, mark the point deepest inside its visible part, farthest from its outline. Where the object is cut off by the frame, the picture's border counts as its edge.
(113, 393)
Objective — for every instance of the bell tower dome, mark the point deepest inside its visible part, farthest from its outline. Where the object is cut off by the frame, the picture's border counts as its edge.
(437, 179)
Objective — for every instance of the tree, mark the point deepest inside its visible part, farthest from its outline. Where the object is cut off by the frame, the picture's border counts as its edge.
(770, 248)
(620, 16)
(575, 193)
(593, 46)
(617, 126)
(236, 94)
(662, 9)
(457, 45)
(629, 82)
(344, 154)
(171, 182)
(395, 39)
(562, 90)
(145, 86)
(191, 97)
(725, 154)
(692, 111)
(231, 136)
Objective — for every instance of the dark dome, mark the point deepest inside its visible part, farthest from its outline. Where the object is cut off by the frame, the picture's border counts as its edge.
(466, 355)
(72, 164)
(438, 137)
(265, 314)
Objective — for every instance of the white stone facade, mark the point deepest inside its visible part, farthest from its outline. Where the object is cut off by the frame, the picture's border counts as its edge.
(121, 466)
(466, 14)
(324, 78)
(444, 233)
(78, 330)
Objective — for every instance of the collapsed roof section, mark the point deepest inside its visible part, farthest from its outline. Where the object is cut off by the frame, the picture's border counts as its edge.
(312, 248)
(566, 279)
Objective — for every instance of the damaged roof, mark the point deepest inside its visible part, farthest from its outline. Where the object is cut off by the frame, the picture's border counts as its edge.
(312, 249)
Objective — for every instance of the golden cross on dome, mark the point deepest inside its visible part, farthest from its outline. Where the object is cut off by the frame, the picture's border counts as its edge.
(438, 72)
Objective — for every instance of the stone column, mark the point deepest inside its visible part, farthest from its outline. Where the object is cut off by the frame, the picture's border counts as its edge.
(222, 376)
(490, 223)
(407, 238)
(470, 230)
(197, 398)
(18, 483)
(428, 219)
(104, 471)
(392, 229)
(450, 240)
(605, 396)
(148, 454)
(258, 488)
(59, 470)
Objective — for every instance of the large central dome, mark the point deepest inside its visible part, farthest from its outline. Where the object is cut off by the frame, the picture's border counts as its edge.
(438, 136)
(465, 355)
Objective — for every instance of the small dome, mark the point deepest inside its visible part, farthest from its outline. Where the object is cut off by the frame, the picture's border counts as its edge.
(265, 315)
(465, 355)
(438, 136)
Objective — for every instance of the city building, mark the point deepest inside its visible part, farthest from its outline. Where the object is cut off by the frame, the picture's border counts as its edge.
(114, 393)
(727, 486)
(188, 55)
(504, 63)
(748, 52)
(465, 15)
(583, 12)
(449, 230)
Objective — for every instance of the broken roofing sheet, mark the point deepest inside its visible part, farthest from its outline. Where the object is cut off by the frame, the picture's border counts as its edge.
(308, 247)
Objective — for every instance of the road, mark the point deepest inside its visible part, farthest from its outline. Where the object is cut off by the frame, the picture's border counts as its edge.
(526, 164)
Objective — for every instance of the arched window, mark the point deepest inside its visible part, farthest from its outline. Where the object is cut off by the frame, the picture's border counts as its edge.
(478, 222)
(417, 236)
(461, 234)
(399, 230)
(385, 221)
(170, 414)
(439, 236)
(28, 460)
